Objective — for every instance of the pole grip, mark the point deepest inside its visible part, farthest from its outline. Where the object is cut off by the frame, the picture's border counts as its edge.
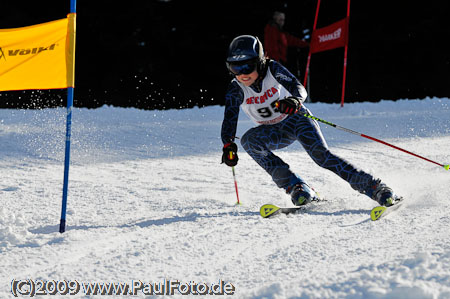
(231, 155)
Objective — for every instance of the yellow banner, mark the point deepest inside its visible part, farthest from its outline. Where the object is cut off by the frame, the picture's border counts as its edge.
(38, 57)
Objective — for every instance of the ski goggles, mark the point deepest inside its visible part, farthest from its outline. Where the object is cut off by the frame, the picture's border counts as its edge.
(241, 68)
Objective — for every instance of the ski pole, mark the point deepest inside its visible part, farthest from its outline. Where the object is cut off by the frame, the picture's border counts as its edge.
(234, 177)
(235, 186)
(445, 166)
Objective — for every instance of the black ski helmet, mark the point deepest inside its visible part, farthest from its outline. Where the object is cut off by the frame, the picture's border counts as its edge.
(245, 50)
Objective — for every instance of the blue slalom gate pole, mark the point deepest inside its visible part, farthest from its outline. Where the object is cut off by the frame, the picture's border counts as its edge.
(62, 224)
(70, 91)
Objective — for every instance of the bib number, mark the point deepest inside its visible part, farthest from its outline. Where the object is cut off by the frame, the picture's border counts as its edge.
(268, 111)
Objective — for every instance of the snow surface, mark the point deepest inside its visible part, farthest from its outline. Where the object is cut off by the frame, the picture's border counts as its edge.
(149, 201)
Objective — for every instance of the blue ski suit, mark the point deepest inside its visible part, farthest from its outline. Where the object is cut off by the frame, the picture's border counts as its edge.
(275, 130)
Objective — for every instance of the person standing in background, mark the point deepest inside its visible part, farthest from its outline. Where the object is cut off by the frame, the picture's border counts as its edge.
(277, 41)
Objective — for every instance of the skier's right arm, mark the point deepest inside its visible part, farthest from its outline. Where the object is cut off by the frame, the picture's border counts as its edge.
(233, 100)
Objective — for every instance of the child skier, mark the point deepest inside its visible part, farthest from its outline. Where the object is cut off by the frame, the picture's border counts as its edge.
(273, 98)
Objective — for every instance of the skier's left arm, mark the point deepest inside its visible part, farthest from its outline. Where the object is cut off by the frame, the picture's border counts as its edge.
(292, 104)
(289, 81)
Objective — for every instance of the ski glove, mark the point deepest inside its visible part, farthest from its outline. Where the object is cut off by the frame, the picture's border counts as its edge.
(289, 105)
(230, 156)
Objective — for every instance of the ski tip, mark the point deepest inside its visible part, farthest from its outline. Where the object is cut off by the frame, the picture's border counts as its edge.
(376, 212)
(447, 167)
(268, 210)
(381, 211)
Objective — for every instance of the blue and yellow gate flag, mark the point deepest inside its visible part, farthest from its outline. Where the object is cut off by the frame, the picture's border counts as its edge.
(43, 57)
(38, 57)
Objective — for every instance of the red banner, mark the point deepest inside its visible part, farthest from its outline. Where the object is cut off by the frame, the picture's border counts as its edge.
(330, 37)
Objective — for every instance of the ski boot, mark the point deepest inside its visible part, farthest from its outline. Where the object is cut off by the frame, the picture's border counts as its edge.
(384, 195)
(301, 194)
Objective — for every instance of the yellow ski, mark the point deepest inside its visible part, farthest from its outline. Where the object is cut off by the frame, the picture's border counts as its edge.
(381, 211)
(270, 210)
(377, 212)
